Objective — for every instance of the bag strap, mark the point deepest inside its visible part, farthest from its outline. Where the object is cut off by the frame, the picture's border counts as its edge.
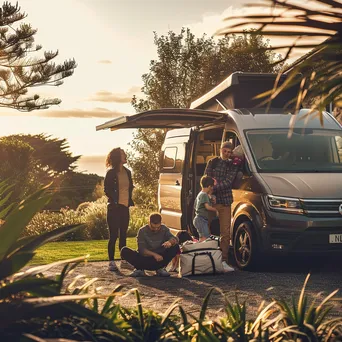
(200, 249)
(210, 257)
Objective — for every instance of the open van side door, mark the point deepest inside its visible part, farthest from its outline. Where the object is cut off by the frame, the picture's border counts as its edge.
(175, 179)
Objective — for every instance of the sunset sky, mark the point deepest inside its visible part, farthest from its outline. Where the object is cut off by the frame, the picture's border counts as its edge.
(112, 43)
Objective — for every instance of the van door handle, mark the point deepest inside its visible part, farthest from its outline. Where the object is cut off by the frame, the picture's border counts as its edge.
(177, 182)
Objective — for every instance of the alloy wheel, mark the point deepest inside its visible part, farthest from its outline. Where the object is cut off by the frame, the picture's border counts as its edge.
(243, 247)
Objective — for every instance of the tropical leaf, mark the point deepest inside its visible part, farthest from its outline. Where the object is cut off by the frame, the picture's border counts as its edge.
(11, 265)
(18, 219)
(107, 307)
(43, 268)
(24, 285)
(205, 304)
(315, 25)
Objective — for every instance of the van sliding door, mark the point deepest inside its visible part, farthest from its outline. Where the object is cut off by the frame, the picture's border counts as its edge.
(170, 184)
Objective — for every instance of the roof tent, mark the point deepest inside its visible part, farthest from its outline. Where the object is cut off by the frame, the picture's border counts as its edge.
(240, 89)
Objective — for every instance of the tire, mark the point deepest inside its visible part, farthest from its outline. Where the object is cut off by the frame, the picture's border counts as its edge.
(245, 247)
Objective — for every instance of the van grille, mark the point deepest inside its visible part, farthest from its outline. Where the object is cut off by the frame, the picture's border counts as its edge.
(322, 208)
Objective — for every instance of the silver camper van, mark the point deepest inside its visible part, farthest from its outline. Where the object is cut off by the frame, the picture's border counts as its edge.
(290, 197)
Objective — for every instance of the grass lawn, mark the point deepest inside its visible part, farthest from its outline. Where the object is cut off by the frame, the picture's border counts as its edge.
(55, 251)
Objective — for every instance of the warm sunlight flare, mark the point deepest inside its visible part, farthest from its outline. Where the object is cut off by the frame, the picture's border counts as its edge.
(170, 170)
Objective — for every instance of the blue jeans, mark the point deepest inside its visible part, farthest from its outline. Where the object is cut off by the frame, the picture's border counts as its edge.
(202, 225)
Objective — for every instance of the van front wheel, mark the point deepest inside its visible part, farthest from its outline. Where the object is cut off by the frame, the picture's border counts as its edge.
(245, 246)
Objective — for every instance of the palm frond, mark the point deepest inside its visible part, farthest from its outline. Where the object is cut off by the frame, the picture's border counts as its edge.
(315, 25)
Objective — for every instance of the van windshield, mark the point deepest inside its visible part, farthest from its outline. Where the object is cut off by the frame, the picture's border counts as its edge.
(307, 150)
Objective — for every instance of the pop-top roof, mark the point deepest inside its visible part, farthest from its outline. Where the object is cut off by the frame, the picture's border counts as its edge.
(240, 89)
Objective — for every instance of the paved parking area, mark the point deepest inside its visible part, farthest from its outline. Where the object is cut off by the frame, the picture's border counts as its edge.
(282, 279)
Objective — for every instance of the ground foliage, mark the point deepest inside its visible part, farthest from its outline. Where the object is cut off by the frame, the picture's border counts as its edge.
(34, 307)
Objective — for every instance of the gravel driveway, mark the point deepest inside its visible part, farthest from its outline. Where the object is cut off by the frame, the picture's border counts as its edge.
(282, 279)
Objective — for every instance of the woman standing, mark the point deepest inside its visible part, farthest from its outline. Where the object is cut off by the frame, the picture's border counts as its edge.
(118, 187)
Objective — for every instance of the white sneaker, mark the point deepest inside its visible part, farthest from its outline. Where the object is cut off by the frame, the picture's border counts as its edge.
(112, 266)
(226, 267)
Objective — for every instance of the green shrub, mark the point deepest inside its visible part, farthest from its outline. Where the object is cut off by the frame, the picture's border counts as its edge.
(145, 198)
(95, 218)
(138, 218)
(47, 221)
(92, 214)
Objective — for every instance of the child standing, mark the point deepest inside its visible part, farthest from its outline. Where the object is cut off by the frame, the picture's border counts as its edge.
(202, 205)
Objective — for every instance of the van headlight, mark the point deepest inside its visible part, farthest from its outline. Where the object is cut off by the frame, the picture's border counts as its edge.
(284, 204)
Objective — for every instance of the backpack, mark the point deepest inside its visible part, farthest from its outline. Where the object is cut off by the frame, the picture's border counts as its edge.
(201, 258)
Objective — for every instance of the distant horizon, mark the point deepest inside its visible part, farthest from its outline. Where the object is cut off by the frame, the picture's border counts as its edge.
(92, 164)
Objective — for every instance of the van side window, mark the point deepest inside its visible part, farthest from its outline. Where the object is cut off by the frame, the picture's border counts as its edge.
(169, 160)
(338, 142)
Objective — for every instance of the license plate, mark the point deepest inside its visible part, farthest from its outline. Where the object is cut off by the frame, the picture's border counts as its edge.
(335, 238)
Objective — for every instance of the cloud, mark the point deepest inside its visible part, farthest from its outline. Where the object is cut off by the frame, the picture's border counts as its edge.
(105, 61)
(80, 113)
(107, 96)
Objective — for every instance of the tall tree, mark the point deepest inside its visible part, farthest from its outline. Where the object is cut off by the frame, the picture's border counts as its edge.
(51, 155)
(75, 188)
(21, 68)
(186, 68)
(30, 161)
(16, 166)
(315, 25)
(146, 144)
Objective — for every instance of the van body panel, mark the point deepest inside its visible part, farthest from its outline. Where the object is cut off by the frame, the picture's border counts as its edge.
(300, 233)
(178, 133)
(171, 180)
(171, 219)
(170, 187)
(249, 204)
(305, 185)
(276, 120)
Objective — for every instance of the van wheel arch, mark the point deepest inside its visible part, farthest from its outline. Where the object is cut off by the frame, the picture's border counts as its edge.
(238, 221)
(244, 225)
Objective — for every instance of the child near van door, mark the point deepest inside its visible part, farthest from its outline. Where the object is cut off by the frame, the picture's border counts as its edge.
(202, 206)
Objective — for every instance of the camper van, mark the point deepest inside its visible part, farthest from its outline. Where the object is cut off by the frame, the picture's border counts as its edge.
(289, 199)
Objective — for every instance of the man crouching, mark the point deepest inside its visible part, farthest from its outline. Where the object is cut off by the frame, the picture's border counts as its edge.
(156, 248)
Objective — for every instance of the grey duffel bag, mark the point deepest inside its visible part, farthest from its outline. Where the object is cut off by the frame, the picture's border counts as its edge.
(201, 258)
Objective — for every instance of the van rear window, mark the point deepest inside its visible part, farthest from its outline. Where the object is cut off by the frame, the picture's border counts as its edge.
(306, 150)
(169, 160)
